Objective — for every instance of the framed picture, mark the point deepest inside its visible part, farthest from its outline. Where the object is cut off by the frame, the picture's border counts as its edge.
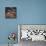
(10, 12)
(31, 33)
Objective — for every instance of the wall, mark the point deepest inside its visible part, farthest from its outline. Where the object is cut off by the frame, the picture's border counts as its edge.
(28, 12)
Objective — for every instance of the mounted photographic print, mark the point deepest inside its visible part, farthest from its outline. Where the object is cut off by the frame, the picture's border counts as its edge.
(33, 32)
(10, 12)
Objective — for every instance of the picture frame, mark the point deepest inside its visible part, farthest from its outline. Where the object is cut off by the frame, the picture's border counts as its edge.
(10, 12)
